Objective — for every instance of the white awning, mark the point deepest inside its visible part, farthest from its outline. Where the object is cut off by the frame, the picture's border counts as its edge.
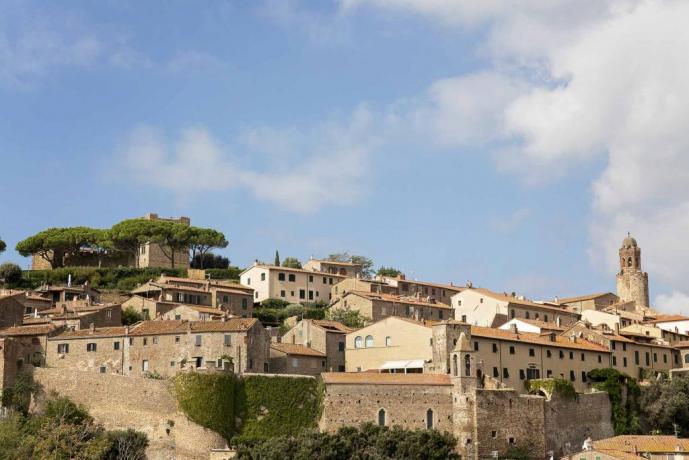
(413, 364)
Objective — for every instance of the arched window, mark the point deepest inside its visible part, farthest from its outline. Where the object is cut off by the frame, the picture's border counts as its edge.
(381, 417)
(429, 419)
(388, 341)
(369, 341)
(467, 365)
(454, 367)
(358, 342)
(629, 262)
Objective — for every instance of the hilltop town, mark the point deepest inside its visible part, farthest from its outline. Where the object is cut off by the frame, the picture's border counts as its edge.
(130, 321)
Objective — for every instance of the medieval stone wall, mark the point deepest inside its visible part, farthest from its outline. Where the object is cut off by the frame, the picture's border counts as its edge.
(120, 402)
(405, 405)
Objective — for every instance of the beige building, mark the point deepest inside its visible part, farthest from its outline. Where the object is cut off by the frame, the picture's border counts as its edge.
(348, 269)
(483, 307)
(392, 341)
(148, 308)
(289, 358)
(289, 284)
(441, 293)
(582, 303)
(327, 337)
(361, 285)
(163, 347)
(192, 313)
(67, 293)
(379, 306)
(81, 314)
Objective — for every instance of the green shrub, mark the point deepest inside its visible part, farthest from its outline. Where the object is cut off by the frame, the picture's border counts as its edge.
(18, 396)
(623, 392)
(11, 273)
(560, 387)
(231, 273)
(209, 400)
(275, 304)
(126, 444)
(122, 278)
(130, 316)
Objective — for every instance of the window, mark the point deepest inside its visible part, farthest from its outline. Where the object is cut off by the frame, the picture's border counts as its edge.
(481, 300)
(511, 349)
(636, 357)
(292, 277)
(496, 372)
(522, 375)
(281, 277)
(526, 315)
(495, 348)
(369, 341)
(144, 365)
(263, 276)
(381, 417)
(103, 369)
(562, 354)
(302, 294)
(655, 357)
(228, 340)
(310, 295)
(295, 362)
(475, 345)
(282, 293)
(532, 352)
(251, 363)
(600, 359)
(548, 354)
(325, 281)
(178, 317)
(614, 345)
(664, 358)
(198, 340)
(131, 340)
(388, 341)
(225, 298)
(571, 355)
(648, 359)
(624, 361)
(429, 419)
(176, 339)
(493, 434)
(512, 314)
(145, 341)
(358, 342)
(172, 364)
(310, 278)
(624, 347)
(614, 360)
(571, 376)
(545, 318)
(116, 345)
(686, 358)
(108, 314)
(549, 373)
(155, 340)
(340, 346)
(248, 281)
(505, 373)
(583, 376)
(512, 441)
(90, 347)
(583, 357)
(63, 348)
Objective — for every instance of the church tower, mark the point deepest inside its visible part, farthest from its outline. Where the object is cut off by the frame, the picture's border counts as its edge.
(632, 282)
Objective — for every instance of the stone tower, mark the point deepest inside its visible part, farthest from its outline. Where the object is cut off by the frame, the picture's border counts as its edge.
(632, 282)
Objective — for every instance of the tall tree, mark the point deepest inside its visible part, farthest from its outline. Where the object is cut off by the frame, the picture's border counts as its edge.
(3, 246)
(277, 258)
(291, 262)
(128, 236)
(172, 237)
(53, 244)
(203, 240)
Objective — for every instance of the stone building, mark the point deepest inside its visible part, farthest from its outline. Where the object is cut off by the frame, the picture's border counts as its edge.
(333, 267)
(293, 285)
(163, 347)
(81, 314)
(148, 308)
(232, 298)
(327, 337)
(440, 293)
(66, 293)
(193, 313)
(483, 307)
(379, 306)
(632, 282)
(581, 303)
(361, 285)
(11, 309)
(289, 358)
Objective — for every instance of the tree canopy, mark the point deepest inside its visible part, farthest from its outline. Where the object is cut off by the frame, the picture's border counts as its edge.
(55, 243)
(209, 260)
(389, 272)
(350, 318)
(129, 235)
(277, 259)
(202, 240)
(365, 262)
(3, 246)
(665, 406)
(10, 272)
(291, 262)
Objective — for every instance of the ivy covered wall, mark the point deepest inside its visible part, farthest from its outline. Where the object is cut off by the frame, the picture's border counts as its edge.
(252, 407)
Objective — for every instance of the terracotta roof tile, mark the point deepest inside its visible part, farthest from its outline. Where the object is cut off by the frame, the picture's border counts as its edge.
(37, 329)
(329, 325)
(370, 378)
(296, 349)
(517, 301)
(100, 332)
(582, 297)
(650, 443)
(668, 318)
(398, 299)
(297, 270)
(536, 339)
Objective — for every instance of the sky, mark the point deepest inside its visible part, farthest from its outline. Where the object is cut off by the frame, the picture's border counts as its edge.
(456, 140)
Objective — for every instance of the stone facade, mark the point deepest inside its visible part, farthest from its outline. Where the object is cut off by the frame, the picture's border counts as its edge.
(632, 282)
(327, 337)
(12, 310)
(379, 306)
(120, 402)
(336, 268)
(287, 358)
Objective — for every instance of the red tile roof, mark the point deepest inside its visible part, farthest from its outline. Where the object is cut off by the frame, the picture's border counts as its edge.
(398, 299)
(38, 329)
(645, 444)
(370, 378)
(119, 331)
(296, 349)
(536, 339)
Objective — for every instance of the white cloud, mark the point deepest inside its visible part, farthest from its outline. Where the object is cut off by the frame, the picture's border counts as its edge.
(675, 302)
(511, 222)
(318, 27)
(327, 171)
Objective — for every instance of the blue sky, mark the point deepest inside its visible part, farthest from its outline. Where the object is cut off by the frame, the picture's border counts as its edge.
(456, 140)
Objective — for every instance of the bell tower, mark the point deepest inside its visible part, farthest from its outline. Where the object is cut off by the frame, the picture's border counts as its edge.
(632, 282)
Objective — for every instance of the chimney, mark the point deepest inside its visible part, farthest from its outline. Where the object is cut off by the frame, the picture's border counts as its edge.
(558, 321)
(470, 284)
(513, 328)
(92, 328)
(557, 300)
(126, 330)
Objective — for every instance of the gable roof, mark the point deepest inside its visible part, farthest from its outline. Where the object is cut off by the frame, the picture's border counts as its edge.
(37, 329)
(517, 301)
(648, 443)
(583, 297)
(296, 349)
(100, 332)
(397, 299)
(667, 318)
